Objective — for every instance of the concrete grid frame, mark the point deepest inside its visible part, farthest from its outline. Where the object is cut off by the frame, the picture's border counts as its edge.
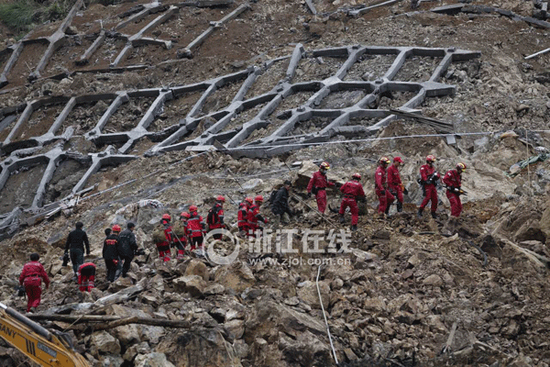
(221, 134)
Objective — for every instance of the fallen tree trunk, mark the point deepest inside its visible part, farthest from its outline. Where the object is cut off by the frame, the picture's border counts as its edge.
(103, 322)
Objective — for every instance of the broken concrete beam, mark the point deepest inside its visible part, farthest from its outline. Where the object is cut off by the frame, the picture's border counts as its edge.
(206, 3)
(188, 51)
(148, 8)
(361, 11)
(11, 62)
(72, 13)
(56, 41)
(122, 54)
(311, 7)
(158, 20)
(294, 61)
(84, 59)
(22, 119)
(151, 41)
(452, 9)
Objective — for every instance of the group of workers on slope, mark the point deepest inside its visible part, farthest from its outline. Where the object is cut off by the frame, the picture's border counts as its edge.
(191, 228)
(120, 247)
(389, 188)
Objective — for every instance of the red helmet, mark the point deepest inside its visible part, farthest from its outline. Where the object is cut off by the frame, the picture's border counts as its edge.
(384, 160)
(430, 158)
(398, 159)
(166, 216)
(325, 165)
(116, 228)
(259, 199)
(220, 198)
(461, 165)
(249, 200)
(356, 176)
(193, 208)
(185, 215)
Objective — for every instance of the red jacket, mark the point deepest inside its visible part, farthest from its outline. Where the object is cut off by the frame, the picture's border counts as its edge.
(352, 189)
(195, 225)
(218, 216)
(394, 180)
(426, 171)
(168, 234)
(452, 179)
(242, 216)
(254, 216)
(319, 181)
(34, 269)
(380, 178)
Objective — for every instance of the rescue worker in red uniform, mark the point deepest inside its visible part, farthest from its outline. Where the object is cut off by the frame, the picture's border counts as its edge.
(395, 185)
(86, 277)
(196, 227)
(215, 217)
(453, 182)
(385, 198)
(428, 180)
(318, 185)
(184, 239)
(110, 253)
(31, 278)
(254, 217)
(163, 247)
(242, 215)
(352, 190)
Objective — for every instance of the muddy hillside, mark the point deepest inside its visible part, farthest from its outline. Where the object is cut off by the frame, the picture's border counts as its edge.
(116, 111)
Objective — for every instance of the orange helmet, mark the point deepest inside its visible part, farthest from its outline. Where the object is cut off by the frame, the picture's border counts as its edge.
(384, 160)
(461, 165)
(259, 199)
(356, 176)
(166, 216)
(430, 158)
(193, 208)
(249, 200)
(325, 165)
(116, 228)
(220, 198)
(185, 215)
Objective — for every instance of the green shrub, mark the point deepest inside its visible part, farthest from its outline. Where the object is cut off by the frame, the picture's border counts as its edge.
(22, 15)
(19, 15)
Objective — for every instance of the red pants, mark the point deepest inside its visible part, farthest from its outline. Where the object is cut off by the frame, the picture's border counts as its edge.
(353, 208)
(385, 199)
(34, 291)
(164, 251)
(321, 200)
(431, 194)
(456, 205)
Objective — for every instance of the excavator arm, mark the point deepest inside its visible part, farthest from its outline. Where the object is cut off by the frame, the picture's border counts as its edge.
(36, 342)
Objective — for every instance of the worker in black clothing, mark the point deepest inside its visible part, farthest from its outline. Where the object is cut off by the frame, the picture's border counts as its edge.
(280, 206)
(127, 247)
(110, 252)
(75, 242)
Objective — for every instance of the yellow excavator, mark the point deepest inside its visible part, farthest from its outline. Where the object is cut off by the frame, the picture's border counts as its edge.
(37, 343)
